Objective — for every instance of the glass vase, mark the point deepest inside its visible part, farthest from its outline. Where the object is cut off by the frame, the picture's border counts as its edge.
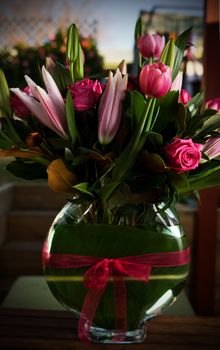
(87, 231)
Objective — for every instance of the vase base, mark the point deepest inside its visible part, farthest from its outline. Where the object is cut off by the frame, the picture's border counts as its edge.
(101, 335)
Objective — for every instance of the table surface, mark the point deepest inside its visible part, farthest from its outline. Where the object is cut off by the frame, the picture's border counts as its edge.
(53, 330)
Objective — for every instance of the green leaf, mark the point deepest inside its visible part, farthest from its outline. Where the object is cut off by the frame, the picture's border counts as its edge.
(212, 124)
(138, 29)
(129, 154)
(153, 162)
(196, 102)
(168, 54)
(4, 144)
(62, 77)
(205, 176)
(12, 133)
(27, 170)
(169, 107)
(181, 119)
(208, 113)
(5, 109)
(153, 142)
(70, 115)
(83, 187)
(180, 46)
(138, 105)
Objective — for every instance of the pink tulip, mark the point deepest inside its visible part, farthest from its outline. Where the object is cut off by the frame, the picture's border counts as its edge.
(155, 79)
(151, 45)
(212, 147)
(49, 107)
(214, 104)
(109, 114)
(184, 97)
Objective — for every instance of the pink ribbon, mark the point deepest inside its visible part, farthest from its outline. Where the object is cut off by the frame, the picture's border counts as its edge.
(99, 273)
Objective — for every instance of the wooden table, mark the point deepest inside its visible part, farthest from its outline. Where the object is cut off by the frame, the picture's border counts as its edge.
(53, 330)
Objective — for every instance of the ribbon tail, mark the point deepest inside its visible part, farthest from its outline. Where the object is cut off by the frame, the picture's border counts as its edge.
(120, 307)
(87, 314)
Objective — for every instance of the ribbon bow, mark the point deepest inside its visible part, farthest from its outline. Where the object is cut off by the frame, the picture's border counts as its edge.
(100, 272)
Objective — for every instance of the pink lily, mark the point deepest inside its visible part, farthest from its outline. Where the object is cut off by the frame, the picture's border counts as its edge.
(109, 114)
(48, 107)
(212, 147)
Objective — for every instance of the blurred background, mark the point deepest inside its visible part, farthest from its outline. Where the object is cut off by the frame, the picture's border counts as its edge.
(30, 31)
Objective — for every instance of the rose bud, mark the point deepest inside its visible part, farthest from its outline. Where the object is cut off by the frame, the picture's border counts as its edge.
(182, 155)
(85, 94)
(151, 45)
(155, 79)
(19, 108)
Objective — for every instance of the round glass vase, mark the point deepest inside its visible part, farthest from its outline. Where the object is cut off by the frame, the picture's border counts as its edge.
(132, 230)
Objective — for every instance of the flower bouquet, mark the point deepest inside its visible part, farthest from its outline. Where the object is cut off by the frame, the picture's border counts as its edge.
(124, 149)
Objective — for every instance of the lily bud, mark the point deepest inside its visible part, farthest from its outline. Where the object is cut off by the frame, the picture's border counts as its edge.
(155, 79)
(109, 114)
(151, 45)
(50, 65)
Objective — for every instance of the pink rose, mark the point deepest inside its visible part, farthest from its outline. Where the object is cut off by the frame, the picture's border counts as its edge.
(19, 108)
(182, 155)
(85, 94)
